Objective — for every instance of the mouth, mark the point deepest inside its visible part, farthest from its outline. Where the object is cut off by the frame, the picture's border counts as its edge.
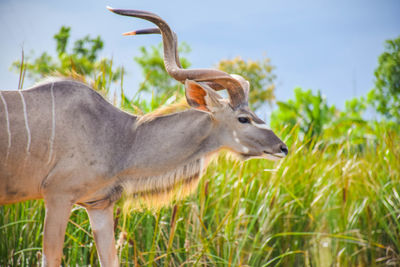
(273, 156)
(264, 155)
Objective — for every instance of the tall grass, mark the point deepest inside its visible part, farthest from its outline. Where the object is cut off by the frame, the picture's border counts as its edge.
(323, 205)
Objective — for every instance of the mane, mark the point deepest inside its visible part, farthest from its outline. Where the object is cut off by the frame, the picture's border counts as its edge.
(71, 76)
(59, 77)
(180, 105)
(154, 192)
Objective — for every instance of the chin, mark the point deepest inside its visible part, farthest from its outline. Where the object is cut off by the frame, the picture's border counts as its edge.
(273, 157)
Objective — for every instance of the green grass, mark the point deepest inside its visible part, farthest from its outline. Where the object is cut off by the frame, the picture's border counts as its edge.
(324, 205)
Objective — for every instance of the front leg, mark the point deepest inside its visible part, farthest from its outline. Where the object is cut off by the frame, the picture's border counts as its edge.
(102, 223)
(55, 223)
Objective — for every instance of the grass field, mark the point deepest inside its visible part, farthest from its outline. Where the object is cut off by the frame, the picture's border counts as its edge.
(328, 203)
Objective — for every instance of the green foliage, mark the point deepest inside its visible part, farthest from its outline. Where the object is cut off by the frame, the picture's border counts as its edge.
(81, 63)
(385, 97)
(309, 116)
(157, 80)
(162, 88)
(310, 112)
(355, 107)
(258, 73)
(62, 39)
(350, 125)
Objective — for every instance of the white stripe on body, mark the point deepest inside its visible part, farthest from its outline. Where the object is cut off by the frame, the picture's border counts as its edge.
(28, 131)
(53, 123)
(8, 124)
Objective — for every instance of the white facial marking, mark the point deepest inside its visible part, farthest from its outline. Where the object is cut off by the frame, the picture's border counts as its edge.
(28, 145)
(281, 154)
(244, 148)
(272, 157)
(8, 124)
(235, 137)
(276, 156)
(53, 123)
(261, 126)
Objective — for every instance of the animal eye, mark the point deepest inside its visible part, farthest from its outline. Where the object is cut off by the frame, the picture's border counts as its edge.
(244, 120)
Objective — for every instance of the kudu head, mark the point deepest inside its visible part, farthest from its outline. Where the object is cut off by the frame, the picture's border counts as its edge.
(237, 127)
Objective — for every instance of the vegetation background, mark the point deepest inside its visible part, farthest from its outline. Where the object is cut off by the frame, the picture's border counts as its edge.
(334, 201)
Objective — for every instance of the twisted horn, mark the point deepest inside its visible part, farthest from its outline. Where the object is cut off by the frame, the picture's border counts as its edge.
(215, 78)
(157, 31)
(144, 31)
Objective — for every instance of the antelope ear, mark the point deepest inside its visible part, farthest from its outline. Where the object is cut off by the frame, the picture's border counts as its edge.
(202, 97)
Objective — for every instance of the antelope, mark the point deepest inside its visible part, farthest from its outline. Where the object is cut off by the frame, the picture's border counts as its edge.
(62, 142)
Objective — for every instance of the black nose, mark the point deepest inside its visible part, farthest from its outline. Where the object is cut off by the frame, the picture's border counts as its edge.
(284, 149)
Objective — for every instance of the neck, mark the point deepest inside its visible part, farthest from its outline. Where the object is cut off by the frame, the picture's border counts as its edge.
(168, 142)
(169, 151)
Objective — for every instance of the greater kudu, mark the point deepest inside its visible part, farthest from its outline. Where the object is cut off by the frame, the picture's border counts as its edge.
(61, 141)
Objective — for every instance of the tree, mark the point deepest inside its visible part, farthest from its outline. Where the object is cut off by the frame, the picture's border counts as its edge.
(258, 73)
(309, 116)
(309, 111)
(82, 62)
(385, 97)
(157, 80)
(162, 87)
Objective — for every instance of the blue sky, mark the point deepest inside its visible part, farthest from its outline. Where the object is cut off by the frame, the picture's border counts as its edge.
(332, 46)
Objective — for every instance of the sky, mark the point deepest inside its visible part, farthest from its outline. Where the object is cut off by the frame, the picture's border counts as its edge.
(332, 46)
